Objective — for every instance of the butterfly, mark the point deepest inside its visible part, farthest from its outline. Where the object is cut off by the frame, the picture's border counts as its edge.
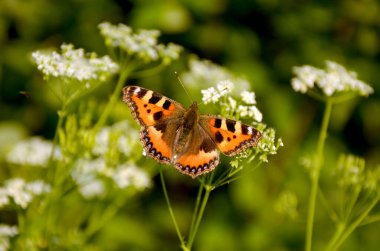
(182, 137)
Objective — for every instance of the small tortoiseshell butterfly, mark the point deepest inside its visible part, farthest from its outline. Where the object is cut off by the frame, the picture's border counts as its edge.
(182, 137)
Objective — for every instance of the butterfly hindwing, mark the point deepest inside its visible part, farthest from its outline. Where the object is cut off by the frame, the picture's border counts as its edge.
(201, 156)
(158, 140)
(230, 136)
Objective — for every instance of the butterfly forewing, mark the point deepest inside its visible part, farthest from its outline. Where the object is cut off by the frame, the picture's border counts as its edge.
(159, 117)
(230, 136)
(149, 107)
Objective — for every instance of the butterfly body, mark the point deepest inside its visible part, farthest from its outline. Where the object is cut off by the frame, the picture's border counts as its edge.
(182, 137)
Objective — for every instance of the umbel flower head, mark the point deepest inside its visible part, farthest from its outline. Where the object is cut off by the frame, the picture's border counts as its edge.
(75, 64)
(142, 44)
(72, 71)
(332, 81)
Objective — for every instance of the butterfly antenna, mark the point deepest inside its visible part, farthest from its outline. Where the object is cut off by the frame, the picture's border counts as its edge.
(180, 81)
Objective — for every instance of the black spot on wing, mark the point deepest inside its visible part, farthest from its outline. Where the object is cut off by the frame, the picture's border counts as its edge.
(218, 123)
(154, 99)
(230, 125)
(157, 115)
(141, 93)
(166, 104)
(244, 129)
(218, 137)
(161, 127)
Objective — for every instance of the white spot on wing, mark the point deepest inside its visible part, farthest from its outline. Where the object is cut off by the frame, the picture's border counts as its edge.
(249, 130)
(138, 89)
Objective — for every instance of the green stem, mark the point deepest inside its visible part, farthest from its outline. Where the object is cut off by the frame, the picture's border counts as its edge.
(355, 224)
(192, 235)
(314, 175)
(371, 219)
(171, 210)
(61, 116)
(338, 233)
(196, 209)
(330, 211)
(113, 99)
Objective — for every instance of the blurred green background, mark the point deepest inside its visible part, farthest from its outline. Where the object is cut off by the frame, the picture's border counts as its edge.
(260, 39)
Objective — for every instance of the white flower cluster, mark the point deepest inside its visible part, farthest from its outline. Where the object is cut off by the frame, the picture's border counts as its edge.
(268, 145)
(334, 79)
(246, 109)
(212, 95)
(33, 152)
(74, 64)
(91, 174)
(206, 73)
(7, 232)
(142, 44)
(125, 142)
(21, 192)
(350, 170)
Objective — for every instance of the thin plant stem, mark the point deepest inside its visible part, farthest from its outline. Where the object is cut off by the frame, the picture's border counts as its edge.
(355, 224)
(314, 175)
(192, 235)
(61, 116)
(371, 219)
(171, 210)
(114, 97)
(338, 233)
(196, 209)
(330, 211)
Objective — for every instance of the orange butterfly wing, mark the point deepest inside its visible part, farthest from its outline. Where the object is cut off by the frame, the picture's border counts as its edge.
(201, 155)
(230, 136)
(159, 117)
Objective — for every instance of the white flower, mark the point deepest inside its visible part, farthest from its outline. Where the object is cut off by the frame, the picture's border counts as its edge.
(83, 167)
(102, 141)
(125, 138)
(335, 79)
(34, 152)
(130, 175)
(248, 97)
(37, 187)
(232, 104)
(142, 44)
(256, 114)
(206, 73)
(4, 199)
(224, 87)
(268, 145)
(74, 64)
(250, 111)
(210, 95)
(22, 192)
(16, 190)
(91, 189)
(6, 232)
